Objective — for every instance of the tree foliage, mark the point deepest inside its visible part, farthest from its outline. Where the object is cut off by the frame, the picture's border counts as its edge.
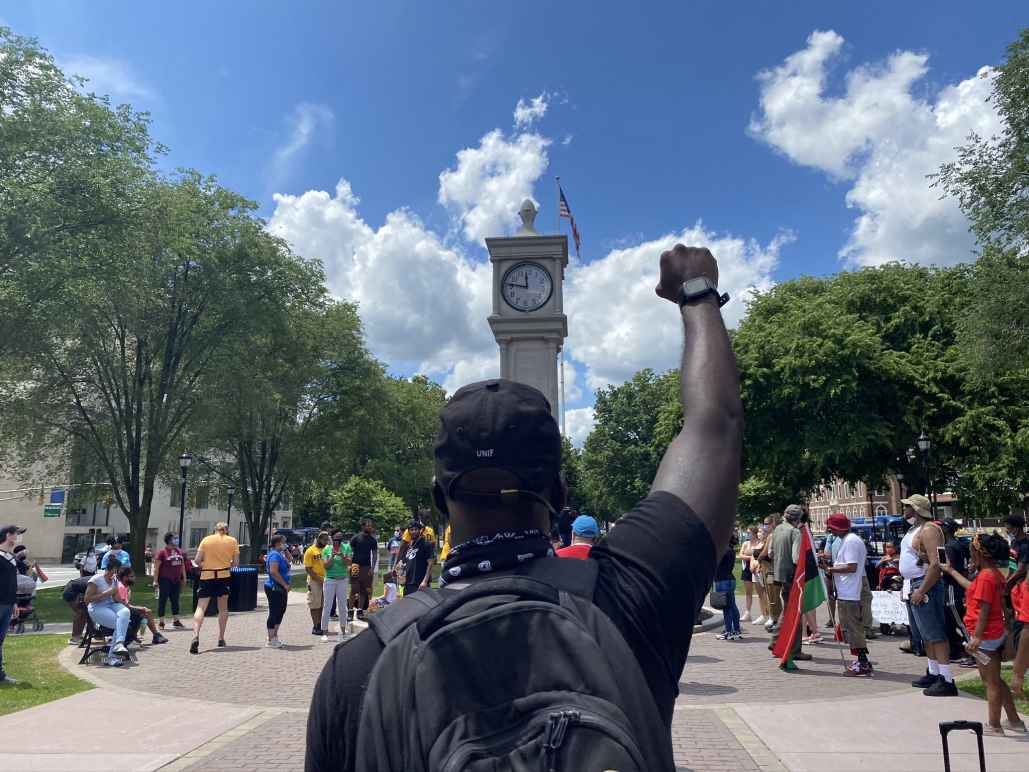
(990, 180)
(361, 496)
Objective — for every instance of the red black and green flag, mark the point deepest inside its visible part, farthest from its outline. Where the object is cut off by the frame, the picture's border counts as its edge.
(806, 593)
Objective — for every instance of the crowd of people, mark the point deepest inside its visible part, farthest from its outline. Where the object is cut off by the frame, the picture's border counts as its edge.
(966, 601)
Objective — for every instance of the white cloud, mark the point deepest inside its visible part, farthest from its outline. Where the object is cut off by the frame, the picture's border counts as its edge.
(633, 328)
(107, 76)
(306, 119)
(567, 139)
(421, 303)
(579, 424)
(527, 113)
(483, 192)
(882, 138)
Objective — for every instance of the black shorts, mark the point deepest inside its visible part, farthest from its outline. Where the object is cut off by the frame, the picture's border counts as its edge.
(746, 575)
(213, 588)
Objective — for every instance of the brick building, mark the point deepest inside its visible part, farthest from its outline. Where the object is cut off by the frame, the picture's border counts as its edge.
(855, 500)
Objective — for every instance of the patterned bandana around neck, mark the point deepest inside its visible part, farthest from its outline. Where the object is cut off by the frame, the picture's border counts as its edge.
(498, 552)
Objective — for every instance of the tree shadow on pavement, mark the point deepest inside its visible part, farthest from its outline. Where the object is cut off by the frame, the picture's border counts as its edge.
(694, 687)
(702, 659)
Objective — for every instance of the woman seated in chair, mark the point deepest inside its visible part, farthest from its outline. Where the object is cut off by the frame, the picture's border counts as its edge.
(105, 610)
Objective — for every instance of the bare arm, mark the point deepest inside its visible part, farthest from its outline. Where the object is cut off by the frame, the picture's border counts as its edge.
(930, 538)
(956, 576)
(702, 464)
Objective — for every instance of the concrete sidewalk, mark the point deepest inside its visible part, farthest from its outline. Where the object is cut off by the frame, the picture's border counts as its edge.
(899, 731)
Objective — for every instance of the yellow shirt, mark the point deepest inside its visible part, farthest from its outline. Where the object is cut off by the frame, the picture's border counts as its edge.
(427, 533)
(313, 560)
(445, 549)
(220, 550)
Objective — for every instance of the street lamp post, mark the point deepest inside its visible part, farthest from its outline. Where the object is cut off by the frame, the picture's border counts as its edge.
(924, 446)
(900, 487)
(228, 515)
(184, 461)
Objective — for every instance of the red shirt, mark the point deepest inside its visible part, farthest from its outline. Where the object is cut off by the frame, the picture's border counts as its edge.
(1020, 601)
(988, 587)
(172, 564)
(576, 551)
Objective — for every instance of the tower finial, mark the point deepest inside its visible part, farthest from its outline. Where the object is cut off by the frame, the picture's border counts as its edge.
(528, 215)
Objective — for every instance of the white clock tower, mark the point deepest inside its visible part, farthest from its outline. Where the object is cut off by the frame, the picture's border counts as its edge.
(528, 319)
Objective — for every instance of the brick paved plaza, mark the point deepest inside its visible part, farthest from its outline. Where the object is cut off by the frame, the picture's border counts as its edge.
(708, 732)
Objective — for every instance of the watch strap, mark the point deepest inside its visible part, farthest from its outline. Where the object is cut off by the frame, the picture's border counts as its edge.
(700, 289)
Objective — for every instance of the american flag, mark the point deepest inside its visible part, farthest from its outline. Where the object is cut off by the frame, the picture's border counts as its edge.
(566, 212)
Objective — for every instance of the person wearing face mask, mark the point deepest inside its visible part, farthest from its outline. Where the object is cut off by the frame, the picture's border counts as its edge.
(107, 611)
(922, 572)
(169, 576)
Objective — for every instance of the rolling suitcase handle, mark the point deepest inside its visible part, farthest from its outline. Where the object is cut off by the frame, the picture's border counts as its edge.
(973, 726)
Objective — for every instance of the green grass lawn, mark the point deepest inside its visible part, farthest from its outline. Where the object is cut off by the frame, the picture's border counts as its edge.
(974, 685)
(32, 660)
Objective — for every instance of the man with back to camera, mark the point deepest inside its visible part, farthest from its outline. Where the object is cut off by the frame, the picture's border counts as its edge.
(584, 534)
(366, 554)
(498, 477)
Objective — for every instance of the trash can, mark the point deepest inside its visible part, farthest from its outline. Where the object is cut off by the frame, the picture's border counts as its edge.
(243, 589)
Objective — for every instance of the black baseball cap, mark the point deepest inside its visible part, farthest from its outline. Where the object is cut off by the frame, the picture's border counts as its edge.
(498, 424)
(16, 529)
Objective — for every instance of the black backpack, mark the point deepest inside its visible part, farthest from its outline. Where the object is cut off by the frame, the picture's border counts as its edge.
(514, 672)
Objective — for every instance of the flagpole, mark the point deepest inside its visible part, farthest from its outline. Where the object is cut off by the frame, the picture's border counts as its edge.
(557, 211)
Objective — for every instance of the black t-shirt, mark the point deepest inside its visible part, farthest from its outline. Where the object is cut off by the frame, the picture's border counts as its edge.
(364, 546)
(564, 527)
(8, 578)
(957, 556)
(416, 559)
(726, 565)
(654, 570)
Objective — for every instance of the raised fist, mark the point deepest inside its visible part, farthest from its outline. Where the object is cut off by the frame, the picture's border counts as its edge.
(680, 264)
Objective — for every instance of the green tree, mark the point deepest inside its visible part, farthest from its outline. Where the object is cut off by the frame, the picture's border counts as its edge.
(621, 454)
(990, 180)
(71, 172)
(124, 372)
(361, 496)
(302, 368)
(759, 497)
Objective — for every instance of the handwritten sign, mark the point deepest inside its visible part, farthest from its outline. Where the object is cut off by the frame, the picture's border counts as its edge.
(888, 608)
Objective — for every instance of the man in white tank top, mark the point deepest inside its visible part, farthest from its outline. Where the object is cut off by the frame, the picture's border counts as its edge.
(920, 567)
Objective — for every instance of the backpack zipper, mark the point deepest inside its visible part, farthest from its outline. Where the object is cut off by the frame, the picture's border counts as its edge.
(557, 727)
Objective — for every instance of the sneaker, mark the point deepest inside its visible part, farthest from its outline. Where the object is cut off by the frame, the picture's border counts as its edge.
(75, 640)
(221, 643)
(772, 629)
(722, 636)
(160, 639)
(905, 647)
(325, 638)
(859, 669)
(828, 625)
(802, 656)
(1014, 726)
(275, 643)
(941, 688)
(317, 631)
(194, 647)
(114, 662)
(178, 624)
(811, 640)
(926, 681)
(745, 617)
(965, 662)
(119, 648)
(789, 667)
(736, 637)
(6, 679)
(759, 621)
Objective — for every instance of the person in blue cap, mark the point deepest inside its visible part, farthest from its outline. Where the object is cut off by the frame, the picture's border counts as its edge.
(584, 532)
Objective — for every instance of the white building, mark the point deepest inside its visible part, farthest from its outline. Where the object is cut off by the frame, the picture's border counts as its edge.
(65, 516)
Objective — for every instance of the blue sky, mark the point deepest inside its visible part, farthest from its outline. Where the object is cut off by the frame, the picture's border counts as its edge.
(659, 123)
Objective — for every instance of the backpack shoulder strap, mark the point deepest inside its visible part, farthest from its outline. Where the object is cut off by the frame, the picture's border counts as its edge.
(577, 577)
(392, 621)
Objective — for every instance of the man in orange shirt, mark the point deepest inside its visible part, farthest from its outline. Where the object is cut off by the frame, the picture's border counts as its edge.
(584, 532)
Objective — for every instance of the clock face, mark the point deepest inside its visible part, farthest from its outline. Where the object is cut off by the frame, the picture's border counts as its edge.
(527, 286)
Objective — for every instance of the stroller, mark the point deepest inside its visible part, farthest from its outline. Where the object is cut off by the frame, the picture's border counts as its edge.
(24, 595)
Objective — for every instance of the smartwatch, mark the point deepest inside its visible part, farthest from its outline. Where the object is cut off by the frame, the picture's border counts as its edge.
(693, 289)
